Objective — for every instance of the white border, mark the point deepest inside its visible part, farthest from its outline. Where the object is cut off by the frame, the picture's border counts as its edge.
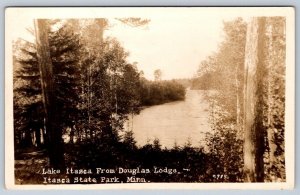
(57, 12)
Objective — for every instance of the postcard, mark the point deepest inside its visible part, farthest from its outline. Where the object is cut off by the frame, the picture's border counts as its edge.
(149, 97)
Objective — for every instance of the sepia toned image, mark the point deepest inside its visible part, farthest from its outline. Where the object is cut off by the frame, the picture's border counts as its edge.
(129, 98)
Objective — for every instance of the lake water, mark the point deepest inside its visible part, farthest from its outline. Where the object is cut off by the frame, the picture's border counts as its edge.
(178, 122)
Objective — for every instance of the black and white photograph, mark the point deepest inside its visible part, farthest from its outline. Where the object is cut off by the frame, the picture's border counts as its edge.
(149, 97)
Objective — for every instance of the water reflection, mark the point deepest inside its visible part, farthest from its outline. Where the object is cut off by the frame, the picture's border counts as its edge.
(173, 122)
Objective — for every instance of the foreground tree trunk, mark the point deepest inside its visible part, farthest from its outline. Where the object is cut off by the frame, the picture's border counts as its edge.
(55, 145)
(254, 146)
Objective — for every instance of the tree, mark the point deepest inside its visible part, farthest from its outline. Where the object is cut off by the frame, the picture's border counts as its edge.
(274, 120)
(29, 112)
(157, 75)
(253, 117)
(247, 106)
(101, 57)
(156, 144)
(129, 139)
(28, 106)
(222, 73)
(55, 146)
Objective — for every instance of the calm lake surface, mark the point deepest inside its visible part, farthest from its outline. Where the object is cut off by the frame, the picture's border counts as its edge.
(178, 122)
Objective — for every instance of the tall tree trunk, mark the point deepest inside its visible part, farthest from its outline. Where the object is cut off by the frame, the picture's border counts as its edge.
(253, 106)
(55, 145)
(94, 40)
(37, 136)
(270, 130)
(26, 140)
(238, 102)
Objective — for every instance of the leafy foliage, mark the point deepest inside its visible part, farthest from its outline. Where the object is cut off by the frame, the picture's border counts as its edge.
(222, 74)
(274, 88)
(64, 49)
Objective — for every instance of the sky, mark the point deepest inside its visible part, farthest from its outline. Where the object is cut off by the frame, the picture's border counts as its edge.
(176, 45)
(176, 40)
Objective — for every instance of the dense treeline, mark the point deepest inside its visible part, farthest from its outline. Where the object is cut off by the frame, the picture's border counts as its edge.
(185, 82)
(158, 92)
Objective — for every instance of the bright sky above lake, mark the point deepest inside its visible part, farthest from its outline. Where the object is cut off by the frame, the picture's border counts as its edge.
(175, 40)
(176, 45)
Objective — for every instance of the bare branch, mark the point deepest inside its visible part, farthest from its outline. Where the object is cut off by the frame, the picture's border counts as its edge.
(134, 22)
